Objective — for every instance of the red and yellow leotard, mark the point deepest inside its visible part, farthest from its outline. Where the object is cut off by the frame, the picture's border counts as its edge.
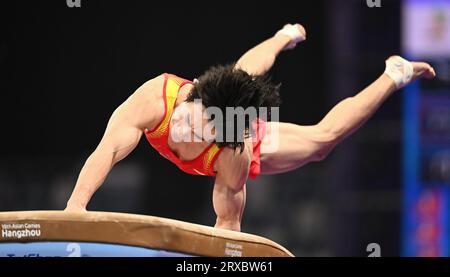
(204, 163)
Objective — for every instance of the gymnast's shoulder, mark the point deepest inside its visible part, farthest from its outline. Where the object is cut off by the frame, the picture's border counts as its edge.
(146, 104)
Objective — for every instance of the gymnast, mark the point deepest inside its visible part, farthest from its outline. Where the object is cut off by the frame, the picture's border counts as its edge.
(163, 109)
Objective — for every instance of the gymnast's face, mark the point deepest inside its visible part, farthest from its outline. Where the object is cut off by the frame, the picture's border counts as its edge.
(190, 123)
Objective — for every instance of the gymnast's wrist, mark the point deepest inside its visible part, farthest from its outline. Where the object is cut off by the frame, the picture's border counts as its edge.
(392, 85)
(75, 206)
(283, 38)
(282, 41)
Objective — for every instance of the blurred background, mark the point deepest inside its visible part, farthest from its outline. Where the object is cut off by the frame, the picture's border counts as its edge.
(64, 70)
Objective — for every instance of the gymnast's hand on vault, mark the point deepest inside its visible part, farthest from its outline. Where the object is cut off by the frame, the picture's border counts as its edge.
(75, 209)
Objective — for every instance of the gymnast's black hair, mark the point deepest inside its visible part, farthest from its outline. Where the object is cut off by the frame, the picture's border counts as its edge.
(224, 86)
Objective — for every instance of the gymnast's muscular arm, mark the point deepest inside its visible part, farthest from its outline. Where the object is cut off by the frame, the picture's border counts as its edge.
(229, 189)
(141, 110)
(258, 60)
(351, 113)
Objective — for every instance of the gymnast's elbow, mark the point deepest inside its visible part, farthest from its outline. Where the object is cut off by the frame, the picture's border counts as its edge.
(325, 145)
(321, 154)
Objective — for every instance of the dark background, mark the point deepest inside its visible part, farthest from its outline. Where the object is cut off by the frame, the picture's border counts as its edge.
(63, 72)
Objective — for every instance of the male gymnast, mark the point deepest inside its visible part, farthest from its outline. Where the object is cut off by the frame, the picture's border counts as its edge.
(162, 109)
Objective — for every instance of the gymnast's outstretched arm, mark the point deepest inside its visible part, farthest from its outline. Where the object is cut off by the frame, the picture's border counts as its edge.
(299, 145)
(259, 60)
(350, 114)
(124, 130)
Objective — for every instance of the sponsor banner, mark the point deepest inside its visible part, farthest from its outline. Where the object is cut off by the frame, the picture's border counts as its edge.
(79, 249)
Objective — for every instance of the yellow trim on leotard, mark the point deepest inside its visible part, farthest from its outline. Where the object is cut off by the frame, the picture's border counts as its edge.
(172, 87)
